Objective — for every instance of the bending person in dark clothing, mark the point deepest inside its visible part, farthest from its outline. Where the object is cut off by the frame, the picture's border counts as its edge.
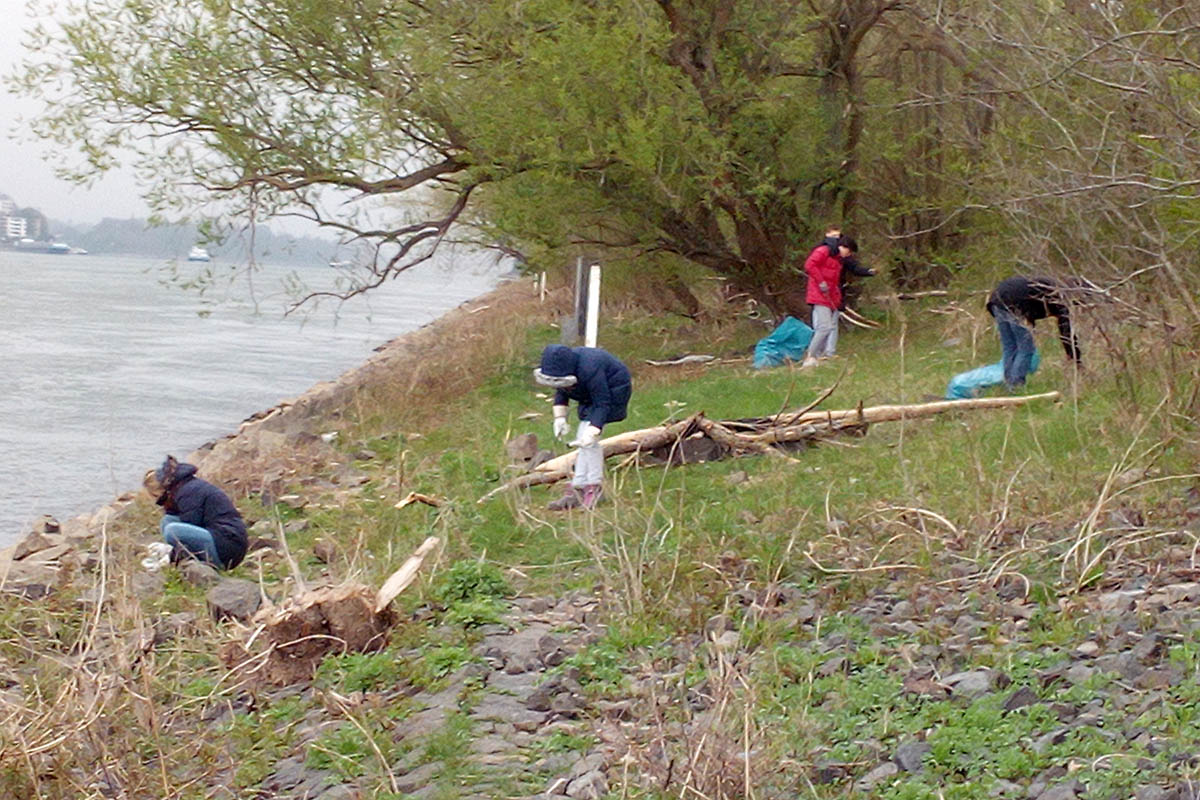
(602, 386)
(1016, 304)
(198, 518)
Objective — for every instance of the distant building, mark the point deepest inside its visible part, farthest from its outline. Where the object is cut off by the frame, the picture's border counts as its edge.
(13, 227)
(36, 225)
(7, 206)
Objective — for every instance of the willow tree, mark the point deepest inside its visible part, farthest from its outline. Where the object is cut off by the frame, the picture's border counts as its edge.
(721, 132)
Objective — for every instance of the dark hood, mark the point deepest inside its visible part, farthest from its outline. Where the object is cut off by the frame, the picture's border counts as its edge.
(559, 360)
(172, 472)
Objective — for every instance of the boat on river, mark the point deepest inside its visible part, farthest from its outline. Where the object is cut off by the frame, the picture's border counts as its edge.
(198, 253)
(58, 248)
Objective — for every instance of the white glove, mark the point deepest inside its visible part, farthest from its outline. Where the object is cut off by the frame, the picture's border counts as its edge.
(588, 436)
(159, 555)
(561, 426)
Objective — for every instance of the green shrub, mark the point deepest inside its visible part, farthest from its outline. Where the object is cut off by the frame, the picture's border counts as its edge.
(471, 581)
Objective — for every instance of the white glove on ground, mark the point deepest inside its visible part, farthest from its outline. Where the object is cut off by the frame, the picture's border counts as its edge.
(588, 436)
(159, 555)
(561, 426)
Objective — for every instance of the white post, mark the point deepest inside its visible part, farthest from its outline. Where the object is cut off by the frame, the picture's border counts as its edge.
(593, 310)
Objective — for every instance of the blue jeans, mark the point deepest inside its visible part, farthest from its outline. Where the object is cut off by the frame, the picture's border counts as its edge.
(1017, 341)
(197, 541)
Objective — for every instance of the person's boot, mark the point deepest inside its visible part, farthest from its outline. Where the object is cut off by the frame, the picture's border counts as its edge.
(592, 495)
(569, 500)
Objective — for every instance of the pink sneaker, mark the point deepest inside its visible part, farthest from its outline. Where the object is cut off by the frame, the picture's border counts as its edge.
(569, 500)
(592, 495)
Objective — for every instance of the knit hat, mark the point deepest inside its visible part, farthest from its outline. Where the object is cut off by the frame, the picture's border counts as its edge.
(166, 471)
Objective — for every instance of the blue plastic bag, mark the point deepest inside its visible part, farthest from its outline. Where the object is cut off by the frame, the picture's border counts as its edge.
(788, 341)
(971, 383)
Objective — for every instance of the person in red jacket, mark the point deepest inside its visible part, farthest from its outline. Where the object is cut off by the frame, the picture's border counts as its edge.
(824, 295)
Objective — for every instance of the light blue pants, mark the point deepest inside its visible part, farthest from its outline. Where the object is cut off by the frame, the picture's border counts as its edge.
(195, 540)
(589, 462)
(1017, 342)
(824, 341)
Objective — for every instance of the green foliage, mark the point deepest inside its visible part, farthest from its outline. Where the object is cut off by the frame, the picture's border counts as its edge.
(360, 672)
(475, 613)
(445, 659)
(471, 581)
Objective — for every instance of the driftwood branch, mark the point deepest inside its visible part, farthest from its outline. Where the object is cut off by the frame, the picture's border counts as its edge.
(759, 435)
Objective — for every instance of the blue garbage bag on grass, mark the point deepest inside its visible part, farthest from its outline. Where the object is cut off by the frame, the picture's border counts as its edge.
(788, 341)
(971, 383)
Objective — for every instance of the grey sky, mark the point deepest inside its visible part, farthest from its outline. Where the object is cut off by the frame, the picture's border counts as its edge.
(24, 175)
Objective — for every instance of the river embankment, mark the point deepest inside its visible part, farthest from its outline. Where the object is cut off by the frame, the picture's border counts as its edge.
(110, 362)
(280, 439)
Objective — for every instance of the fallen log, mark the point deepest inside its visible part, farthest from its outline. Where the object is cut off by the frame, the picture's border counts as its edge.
(758, 435)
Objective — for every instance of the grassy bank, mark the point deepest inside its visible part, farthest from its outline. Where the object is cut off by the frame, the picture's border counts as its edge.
(783, 627)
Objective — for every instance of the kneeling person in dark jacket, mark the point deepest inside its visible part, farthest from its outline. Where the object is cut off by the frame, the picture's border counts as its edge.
(199, 520)
(602, 386)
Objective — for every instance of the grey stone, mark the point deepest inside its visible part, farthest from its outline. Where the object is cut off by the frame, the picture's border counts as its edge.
(1079, 673)
(293, 776)
(502, 708)
(421, 724)
(523, 661)
(1062, 791)
(492, 744)
(1021, 698)
(881, 773)
(1149, 648)
(551, 651)
(1003, 788)
(522, 448)
(589, 786)
(233, 598)
(1047, 740)
(418, 778)
(910, 756)
(325, 551)
(969, 684)
(1151, 793)
(1119, 602)
(197, 573)
(36, 542)
(145, 585)
(340, 792)
(169, 627)
(521, 684)
(567, 704)
(591, 762)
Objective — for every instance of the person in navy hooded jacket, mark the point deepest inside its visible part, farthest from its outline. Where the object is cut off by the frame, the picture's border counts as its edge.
(602, 386)
(199, 520)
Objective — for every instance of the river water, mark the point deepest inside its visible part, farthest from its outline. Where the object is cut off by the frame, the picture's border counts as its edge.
(104, 368)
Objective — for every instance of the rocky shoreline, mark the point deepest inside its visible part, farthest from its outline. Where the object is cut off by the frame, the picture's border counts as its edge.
(245, 460)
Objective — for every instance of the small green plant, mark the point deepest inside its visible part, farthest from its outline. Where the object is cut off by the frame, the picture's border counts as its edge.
(359, 672)
(471, 581)
(563, 742)
(474, 613)
(344, 751)
(443, 660)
